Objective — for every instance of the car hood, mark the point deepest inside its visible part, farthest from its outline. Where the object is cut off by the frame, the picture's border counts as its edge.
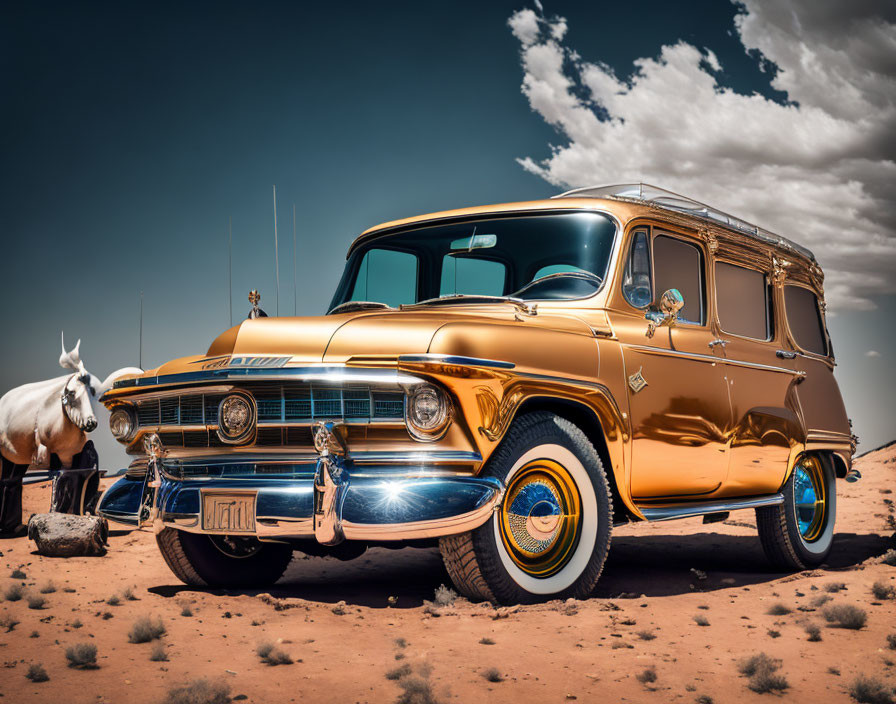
(379, 333)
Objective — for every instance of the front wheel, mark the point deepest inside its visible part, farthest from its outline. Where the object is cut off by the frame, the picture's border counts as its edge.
(550, 536)
(222, 560)
(799, 533)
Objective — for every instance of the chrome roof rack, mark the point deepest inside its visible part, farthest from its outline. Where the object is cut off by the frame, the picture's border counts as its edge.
(661, 198)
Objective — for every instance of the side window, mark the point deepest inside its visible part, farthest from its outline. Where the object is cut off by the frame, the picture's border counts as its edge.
(386, 276)
(743, 300)
(677, 264)
(472, 276)
(804, 319)
(636, 280)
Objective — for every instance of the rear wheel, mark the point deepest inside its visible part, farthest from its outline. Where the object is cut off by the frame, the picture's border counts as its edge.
(550, 536)
(222, 560)
(799, 533)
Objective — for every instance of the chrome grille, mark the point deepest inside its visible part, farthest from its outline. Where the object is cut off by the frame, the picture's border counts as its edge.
(304, 403)
(285, 412)
(190, 409)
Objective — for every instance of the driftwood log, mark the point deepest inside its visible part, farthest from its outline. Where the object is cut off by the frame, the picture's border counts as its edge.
(66, 535)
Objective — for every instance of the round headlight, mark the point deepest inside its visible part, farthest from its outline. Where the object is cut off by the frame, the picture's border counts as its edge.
(121, 423)
(427, 412)
(236, 417)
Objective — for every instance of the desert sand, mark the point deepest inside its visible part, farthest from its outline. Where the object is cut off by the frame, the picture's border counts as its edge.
(348, 625)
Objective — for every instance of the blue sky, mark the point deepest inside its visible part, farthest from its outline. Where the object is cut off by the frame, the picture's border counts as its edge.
(130, 133)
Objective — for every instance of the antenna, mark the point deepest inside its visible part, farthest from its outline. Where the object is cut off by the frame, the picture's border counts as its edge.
(295, 291)
(230, 265)
(140, 354)
(276, 251)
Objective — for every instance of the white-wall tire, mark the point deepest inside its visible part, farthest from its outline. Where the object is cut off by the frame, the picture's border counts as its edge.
(494, 564)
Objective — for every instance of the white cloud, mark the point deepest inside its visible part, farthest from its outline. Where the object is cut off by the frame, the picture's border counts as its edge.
(872, 353)
(819, 169)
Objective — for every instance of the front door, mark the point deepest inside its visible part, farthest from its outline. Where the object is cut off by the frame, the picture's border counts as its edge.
(678, 397)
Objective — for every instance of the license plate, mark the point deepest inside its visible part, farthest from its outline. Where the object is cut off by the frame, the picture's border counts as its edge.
(229, 513)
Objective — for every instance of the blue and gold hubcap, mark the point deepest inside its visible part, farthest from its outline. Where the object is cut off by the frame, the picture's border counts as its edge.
(809, 498)
(541, 517)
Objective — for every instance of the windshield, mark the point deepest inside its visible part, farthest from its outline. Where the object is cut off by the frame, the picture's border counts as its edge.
(565, 253)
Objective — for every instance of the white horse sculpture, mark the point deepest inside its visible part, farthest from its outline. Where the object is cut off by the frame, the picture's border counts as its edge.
(54, 416)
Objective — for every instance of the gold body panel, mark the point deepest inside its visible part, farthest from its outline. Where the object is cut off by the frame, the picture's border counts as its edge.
(675, 418)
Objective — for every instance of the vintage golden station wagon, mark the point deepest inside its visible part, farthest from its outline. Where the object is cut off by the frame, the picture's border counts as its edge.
(507, 382)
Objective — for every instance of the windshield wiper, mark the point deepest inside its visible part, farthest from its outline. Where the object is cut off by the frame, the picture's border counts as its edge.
(452, 298)
(349, 306)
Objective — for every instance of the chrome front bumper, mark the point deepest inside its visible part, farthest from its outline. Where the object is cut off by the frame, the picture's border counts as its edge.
(330, 501)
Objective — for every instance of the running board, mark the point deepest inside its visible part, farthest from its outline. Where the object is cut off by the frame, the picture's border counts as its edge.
(669, 513)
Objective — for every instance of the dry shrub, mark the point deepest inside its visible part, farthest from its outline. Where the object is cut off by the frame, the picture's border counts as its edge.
(272, 655)
(486, 641)
(146, 629)
(81, 656)
(891, 641)
(834, 587)
(821, 600)
(763, 673)
(48, 588)
(113, 600)
(493, 674)
(870, 690)
(646, 635)
(845, 616)
(14, 592)
(416, 687)
(18, 574)
(779, 609)
(889, 558)
(444, 596)
(647, 676)
(200, 692)
(883, 591)
(186, 610)
(399, 672)
(701, 620)
(813, 631)
(36, 601)
(158, 653)
(8, 622)
(37, 673)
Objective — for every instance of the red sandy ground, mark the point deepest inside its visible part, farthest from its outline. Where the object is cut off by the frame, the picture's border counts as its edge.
(588, 652)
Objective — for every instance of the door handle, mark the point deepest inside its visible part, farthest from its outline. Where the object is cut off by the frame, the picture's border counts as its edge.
(717, 342)
(785, 354)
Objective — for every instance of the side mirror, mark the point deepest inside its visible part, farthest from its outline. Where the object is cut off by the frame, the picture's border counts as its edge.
(666, 313)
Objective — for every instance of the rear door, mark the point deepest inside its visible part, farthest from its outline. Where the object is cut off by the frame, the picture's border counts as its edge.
(760, 384)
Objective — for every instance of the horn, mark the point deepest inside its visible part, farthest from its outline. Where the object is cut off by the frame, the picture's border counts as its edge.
(70, 360)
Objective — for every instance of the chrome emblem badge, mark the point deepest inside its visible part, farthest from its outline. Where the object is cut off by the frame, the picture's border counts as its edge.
(636, 381)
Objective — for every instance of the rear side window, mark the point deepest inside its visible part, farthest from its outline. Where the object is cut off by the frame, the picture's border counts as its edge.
(742, 296)
(804, 319)
(387, 276)
(677, 264)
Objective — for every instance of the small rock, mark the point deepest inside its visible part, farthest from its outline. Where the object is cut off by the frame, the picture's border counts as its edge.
(67, 535)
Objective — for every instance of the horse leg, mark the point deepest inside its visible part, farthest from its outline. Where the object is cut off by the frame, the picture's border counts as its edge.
(11, 499)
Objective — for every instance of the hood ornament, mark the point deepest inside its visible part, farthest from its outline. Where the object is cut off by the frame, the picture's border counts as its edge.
(256, 312)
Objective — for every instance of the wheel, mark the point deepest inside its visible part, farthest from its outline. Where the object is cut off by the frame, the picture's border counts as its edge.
(550, 536)
(798, 534)
(222, 560)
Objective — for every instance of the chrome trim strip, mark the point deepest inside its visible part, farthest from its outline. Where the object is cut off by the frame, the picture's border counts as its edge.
(415, 456)
(454, 359)
(710, 358)
(332, 374)
(168, 393)
(668, 513)
(828, 436)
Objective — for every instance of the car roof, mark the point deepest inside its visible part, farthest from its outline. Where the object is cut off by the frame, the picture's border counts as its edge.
(641, 198)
